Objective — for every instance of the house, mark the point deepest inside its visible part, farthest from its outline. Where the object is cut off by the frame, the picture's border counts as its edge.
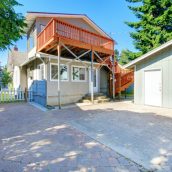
(68, 57)
(152, 75)
(15, 59)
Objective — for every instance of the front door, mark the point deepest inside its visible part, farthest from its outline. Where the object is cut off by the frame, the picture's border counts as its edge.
(153, 87)
(95, 80)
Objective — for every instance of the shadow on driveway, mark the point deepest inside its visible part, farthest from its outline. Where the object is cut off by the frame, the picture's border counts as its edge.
(32, 140)
(139, 133)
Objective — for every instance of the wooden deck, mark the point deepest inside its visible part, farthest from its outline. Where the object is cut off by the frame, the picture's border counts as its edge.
(71, 35)
(80, 40)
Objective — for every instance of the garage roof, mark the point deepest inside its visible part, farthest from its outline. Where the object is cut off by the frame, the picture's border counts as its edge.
(147, 55)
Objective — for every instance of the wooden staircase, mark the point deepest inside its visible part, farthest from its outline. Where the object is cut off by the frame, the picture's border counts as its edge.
(123, 77)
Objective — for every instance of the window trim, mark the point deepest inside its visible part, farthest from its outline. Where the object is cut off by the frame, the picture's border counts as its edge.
(37, 77)
(72, 73)
(55, 80)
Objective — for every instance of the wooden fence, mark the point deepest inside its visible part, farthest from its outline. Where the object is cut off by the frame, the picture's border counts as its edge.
(7, 96)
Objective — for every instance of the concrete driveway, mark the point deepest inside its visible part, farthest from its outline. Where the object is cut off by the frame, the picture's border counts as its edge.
(32, 140)
(140, 133)
(106, 137)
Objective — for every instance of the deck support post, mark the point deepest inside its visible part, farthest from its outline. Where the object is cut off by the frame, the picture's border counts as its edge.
(59, 93)
(113, 77)
(92, 77)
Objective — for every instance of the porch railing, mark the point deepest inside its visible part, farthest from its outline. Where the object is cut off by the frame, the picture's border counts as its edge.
(12, 95)
(59, 28)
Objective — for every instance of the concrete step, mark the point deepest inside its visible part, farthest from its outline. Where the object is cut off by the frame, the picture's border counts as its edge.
(96, 97)
(95, 94)
(104, 100)
(95, 101)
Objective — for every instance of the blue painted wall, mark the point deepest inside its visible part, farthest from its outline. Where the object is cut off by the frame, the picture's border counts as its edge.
(39, 89)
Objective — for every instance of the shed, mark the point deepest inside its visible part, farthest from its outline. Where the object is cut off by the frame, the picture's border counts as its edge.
(153, 77)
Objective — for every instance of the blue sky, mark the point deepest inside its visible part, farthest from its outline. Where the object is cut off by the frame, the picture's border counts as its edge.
(108, 14)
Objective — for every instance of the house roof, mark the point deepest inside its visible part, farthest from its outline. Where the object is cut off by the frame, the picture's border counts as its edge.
(149, 54)
(15, 58)
(31, 16)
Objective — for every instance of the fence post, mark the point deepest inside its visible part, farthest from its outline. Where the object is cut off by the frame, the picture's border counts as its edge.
(25, 94)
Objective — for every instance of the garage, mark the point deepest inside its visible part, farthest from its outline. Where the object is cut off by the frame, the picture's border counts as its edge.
(153, 77)
(153, 87)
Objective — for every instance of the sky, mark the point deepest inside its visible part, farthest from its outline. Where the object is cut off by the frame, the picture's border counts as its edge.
(110, 15)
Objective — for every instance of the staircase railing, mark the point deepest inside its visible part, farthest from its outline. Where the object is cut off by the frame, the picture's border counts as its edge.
(126, 78)
(123, 81)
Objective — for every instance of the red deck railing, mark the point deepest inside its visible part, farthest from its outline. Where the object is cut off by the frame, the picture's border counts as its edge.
(66, 30)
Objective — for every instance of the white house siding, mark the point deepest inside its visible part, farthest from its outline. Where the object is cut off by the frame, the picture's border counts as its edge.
(16, 78)
(162, 61)
(71, 91)
(23, 78)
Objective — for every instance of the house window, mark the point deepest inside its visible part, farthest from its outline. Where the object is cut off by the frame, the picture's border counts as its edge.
(63, 72)
(41, 72)
(78, 73)
(32, 39)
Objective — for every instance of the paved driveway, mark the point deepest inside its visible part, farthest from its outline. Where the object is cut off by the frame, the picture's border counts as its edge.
(142, 134)
(32, 140)
(89, 138)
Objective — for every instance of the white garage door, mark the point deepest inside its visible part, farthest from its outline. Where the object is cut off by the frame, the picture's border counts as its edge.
(153, 88)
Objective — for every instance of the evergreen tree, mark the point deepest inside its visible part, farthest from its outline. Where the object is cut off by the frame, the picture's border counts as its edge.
(117, 56)
(126, 56)
(11, 23)
(154, 25)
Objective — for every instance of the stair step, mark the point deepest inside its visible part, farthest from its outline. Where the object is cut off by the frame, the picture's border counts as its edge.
(104, 100)
(96, 94)
(95, 101)
(95, 97)
(98, 98)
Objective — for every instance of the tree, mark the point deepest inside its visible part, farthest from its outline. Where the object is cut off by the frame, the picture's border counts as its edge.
(117, 57)
(154, 25)
(6, 77)
(126, 56)
(11, 23)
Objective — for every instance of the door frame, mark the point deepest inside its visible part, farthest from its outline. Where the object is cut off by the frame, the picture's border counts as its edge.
(95, 89)
(154, 69)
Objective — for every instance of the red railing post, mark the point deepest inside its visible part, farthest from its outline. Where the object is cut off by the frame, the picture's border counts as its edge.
(54, 27)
